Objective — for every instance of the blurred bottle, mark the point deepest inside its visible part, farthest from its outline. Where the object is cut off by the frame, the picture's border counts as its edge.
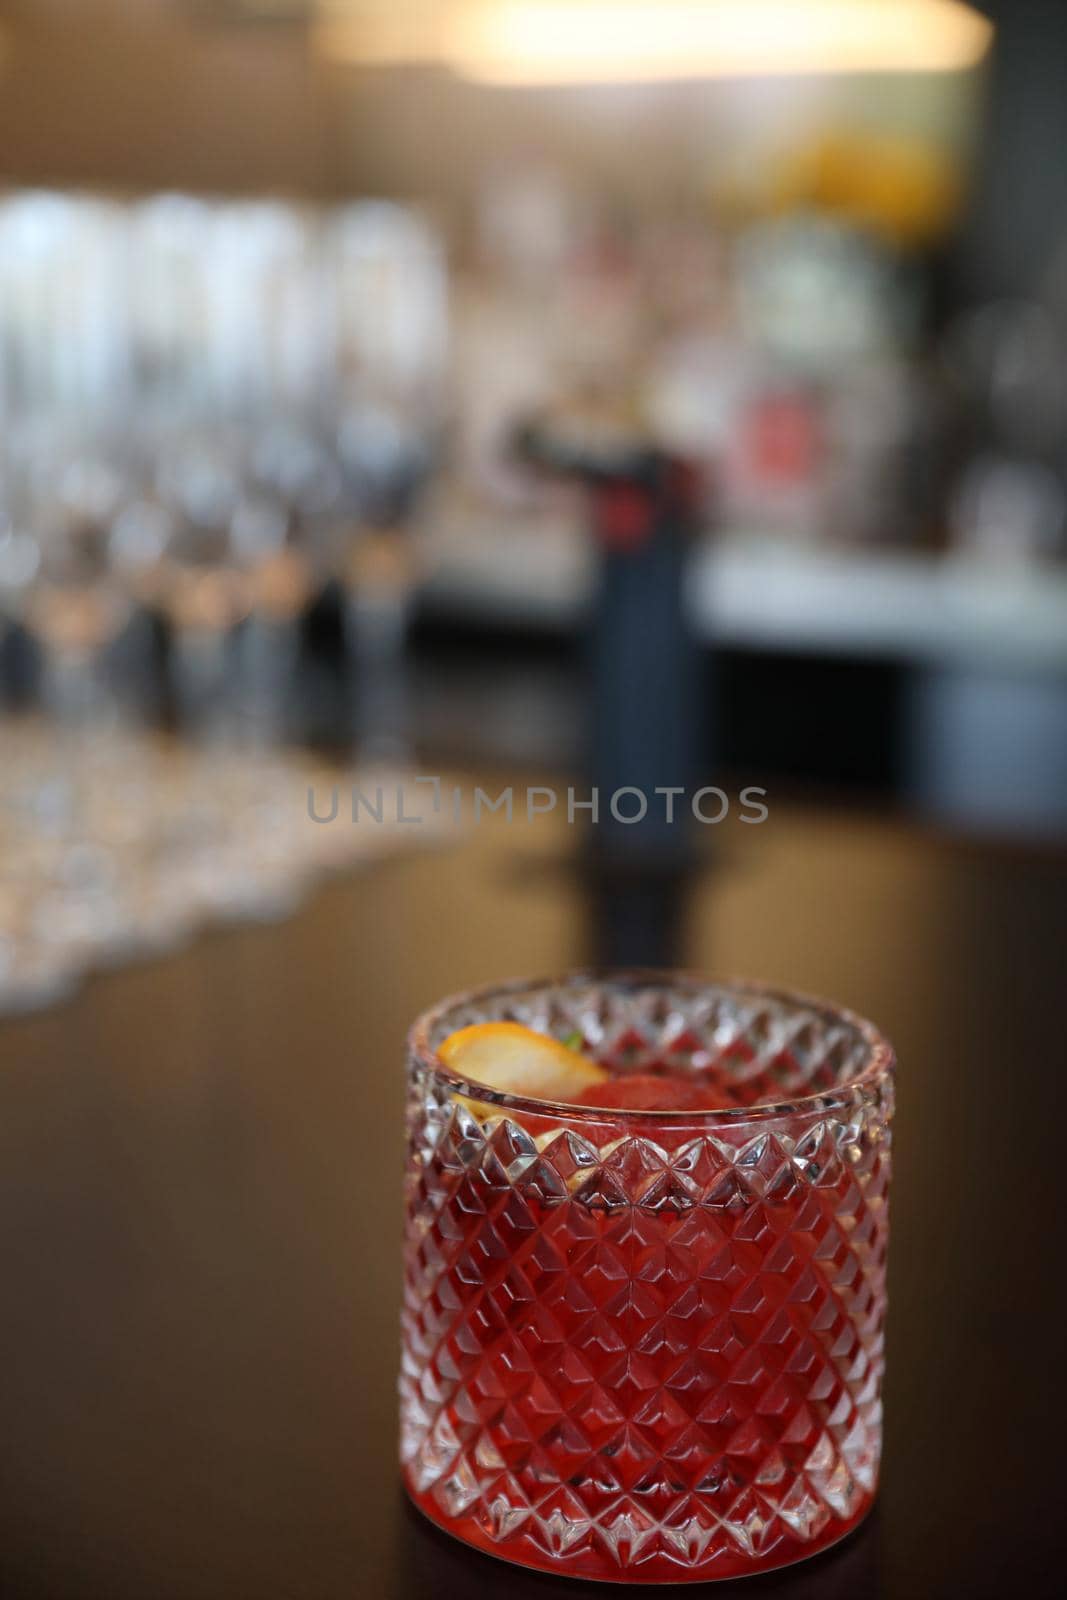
(1006, 364)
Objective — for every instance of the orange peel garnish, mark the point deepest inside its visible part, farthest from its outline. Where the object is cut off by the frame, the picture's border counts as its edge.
(513, 1059)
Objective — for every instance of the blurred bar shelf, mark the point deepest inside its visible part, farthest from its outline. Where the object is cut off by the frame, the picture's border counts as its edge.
(915, 607)
(977, 650)
(758, 593)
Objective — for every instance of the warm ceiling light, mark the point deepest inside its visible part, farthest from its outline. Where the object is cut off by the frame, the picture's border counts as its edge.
(603, 41)
(618, 41)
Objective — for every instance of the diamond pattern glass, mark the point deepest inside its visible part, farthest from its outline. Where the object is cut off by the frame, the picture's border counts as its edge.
(648, 1346)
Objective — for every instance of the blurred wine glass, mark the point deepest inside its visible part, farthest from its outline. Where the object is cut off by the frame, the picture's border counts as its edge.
(389, 283)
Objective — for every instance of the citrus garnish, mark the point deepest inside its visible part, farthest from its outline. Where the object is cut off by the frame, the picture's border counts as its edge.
(516, 1060)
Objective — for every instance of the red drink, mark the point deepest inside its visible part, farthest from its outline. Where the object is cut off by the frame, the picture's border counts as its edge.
(646, 1345)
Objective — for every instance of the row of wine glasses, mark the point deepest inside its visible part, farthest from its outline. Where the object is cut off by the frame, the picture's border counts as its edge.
(176, 309)
(210, 410)
(206, 406)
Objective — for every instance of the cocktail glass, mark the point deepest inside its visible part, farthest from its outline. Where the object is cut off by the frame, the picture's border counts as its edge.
(647, 1346)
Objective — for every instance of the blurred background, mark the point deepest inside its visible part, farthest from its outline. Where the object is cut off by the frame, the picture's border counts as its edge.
(530, 394)
(469, 383)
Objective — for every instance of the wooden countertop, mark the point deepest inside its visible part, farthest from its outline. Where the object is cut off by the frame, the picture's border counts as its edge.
(199, 1218)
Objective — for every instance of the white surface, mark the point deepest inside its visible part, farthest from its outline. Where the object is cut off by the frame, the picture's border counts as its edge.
(765, 594)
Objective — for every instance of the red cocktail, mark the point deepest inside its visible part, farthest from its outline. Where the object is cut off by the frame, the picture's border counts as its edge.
(642, 1343)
